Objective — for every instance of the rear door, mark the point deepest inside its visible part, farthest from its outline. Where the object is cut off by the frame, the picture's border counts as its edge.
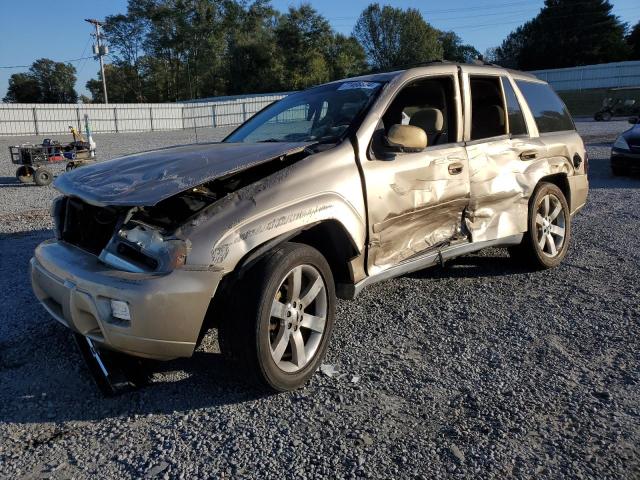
(498, 146)
(416, 200)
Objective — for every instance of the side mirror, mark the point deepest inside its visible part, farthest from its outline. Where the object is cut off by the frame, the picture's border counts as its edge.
(407, 138)
(634, 120)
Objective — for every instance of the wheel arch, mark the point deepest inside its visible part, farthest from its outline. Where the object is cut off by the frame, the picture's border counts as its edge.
(329, 237)
(560, 180)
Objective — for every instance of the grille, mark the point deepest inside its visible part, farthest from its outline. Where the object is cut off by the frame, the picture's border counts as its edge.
(87, 226)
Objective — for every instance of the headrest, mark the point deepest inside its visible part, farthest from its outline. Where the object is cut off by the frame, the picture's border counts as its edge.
(430, 120)
(492, 114)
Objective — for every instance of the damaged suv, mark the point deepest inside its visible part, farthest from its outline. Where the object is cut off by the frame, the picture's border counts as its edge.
(315, 197)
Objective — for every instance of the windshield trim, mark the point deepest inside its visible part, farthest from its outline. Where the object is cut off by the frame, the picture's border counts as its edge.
(355, 124)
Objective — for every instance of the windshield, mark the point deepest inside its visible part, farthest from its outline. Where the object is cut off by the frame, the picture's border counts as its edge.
(322, 114)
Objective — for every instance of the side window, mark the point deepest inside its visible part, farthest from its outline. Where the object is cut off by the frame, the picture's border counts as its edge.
(487, 108)
(426, 103)
(517, 125)
(549, 111)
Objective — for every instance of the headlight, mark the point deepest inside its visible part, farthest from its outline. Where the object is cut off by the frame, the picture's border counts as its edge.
(621, 144)
(140, 248)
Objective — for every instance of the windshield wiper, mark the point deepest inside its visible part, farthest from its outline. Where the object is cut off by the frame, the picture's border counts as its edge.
(269, 140)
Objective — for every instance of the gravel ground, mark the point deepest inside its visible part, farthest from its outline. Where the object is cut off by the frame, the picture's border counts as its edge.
(480, 369)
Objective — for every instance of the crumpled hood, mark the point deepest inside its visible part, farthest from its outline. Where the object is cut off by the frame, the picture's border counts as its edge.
(144, 179)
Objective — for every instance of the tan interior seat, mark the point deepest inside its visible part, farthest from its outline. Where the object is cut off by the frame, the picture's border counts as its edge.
(431, 121)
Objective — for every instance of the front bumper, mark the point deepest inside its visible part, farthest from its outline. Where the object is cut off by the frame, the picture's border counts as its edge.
(167, 311)
(625, 160)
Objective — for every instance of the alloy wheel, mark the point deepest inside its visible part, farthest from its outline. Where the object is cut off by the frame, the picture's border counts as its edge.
(298, 318)
(550, 225)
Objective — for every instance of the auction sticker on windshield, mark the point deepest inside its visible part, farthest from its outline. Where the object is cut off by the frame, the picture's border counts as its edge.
(358, 85)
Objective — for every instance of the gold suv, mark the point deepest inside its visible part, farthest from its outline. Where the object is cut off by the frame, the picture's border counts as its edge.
(315, 197)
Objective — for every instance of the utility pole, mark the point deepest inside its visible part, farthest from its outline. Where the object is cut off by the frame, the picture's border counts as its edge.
(100, 51)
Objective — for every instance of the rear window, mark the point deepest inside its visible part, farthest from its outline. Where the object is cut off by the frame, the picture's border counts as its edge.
(549, 111)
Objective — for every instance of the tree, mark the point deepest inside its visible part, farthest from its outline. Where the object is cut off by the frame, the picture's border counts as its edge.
(566, 33)
(254, 61)
(633, 40)
(121, 88)
(23, 88)
(454, 50)
(346, 57)
(509, 53)
(304, 37)
(393, 37)
(46, 82)
(125, 35)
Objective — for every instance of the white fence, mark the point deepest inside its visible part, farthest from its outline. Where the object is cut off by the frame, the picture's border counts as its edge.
(48, 119)
(606, 75)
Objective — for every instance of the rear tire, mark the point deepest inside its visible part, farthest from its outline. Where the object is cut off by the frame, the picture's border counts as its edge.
(43, 177)
(279, 319)
(607, 116)
(24, 174)
(546, 242)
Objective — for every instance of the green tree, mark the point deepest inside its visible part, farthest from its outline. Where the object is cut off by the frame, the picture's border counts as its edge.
(119, 85)
(454, 50)
(254, 61)
(346, 57)
(125, 35)
(46, 82)
(304, 37)
(633, 40)
(393, 37)
(23, 88)
(566, 33)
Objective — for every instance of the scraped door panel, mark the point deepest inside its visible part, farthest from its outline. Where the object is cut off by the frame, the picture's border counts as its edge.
(416, 202)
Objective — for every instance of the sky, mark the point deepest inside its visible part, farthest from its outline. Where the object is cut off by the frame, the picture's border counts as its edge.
(56, 29)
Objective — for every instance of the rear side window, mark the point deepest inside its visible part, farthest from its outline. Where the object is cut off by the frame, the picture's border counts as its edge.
(549, 111)
(517, 125)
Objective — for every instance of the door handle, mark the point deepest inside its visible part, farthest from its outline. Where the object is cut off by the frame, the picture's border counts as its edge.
(529, 155)
(455, 168)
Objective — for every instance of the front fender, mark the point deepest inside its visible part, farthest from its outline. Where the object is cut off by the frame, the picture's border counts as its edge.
(322, 187)
(243, 238)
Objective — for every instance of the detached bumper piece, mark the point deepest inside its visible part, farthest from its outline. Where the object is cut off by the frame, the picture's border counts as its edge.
(112, 372)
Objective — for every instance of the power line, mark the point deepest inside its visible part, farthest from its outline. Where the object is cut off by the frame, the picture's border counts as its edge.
(61, 61)
(554, 17)
(501, 6)
(84, 50)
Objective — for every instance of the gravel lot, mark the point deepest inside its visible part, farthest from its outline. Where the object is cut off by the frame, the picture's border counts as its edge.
(480, 369)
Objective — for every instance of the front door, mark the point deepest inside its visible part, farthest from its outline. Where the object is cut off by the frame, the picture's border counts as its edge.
(416, 200)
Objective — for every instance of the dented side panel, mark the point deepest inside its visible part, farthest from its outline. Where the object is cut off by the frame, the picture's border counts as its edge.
(502, 183)
(414, 203)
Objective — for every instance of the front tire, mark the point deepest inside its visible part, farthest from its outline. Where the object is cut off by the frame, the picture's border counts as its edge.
(280, 317)
(546, 242)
